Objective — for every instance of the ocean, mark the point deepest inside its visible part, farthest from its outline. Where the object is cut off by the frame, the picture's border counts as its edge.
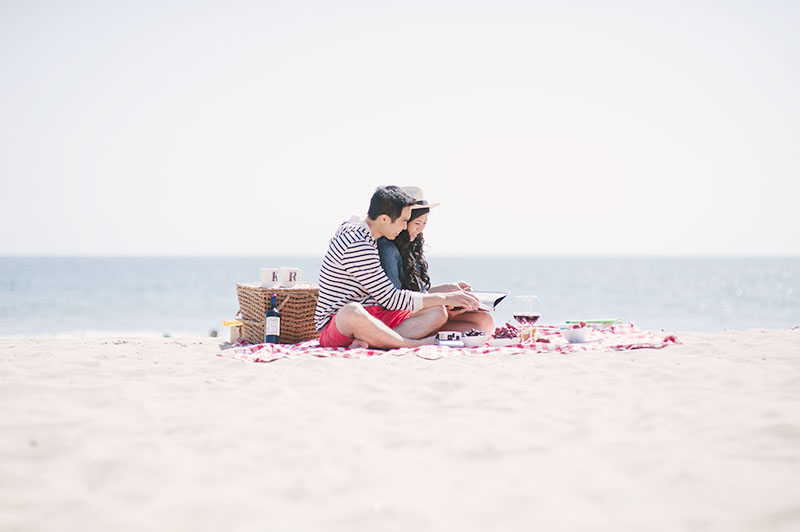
(176, 296)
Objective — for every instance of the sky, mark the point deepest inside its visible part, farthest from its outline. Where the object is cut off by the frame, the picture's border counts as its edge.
(543, 128)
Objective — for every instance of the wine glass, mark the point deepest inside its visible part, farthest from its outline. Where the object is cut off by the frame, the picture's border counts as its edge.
(526, 309)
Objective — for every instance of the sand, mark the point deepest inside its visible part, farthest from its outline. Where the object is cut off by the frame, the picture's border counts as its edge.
(162, 434)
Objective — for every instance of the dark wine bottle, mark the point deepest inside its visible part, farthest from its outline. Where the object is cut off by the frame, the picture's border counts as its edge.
(272, 322)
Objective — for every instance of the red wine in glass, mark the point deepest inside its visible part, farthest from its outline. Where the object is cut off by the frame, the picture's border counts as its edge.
(527, 317)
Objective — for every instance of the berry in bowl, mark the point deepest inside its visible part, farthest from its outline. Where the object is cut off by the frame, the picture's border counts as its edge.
(474, 338)
(576, 333)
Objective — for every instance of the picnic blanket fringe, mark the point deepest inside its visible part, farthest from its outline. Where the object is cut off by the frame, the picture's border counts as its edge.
(619, 337)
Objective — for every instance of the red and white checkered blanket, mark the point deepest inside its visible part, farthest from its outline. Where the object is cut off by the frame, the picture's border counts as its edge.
(619, 337)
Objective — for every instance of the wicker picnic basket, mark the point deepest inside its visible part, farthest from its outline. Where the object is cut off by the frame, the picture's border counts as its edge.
(296, 305)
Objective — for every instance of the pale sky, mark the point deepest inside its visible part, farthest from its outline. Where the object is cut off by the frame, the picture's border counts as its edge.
(255, 128)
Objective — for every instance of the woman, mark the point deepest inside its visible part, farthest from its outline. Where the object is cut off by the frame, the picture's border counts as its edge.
(406, 267)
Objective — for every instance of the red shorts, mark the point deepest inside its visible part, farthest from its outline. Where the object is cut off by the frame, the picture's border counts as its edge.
(330, 336)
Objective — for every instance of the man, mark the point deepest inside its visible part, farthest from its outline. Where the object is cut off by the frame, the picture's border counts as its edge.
(358, 305)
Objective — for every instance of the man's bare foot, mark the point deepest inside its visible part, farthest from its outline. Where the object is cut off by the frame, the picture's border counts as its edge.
(358, 344)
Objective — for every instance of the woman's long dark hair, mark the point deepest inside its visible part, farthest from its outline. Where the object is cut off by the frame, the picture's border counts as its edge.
(415, 267)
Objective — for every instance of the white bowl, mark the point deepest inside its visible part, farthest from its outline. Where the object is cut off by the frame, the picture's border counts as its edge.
(576, 335)
(474, 341)
(503, 342)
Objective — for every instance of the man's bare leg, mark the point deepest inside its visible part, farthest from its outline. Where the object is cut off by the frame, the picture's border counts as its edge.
(353, 321)
(423, 323)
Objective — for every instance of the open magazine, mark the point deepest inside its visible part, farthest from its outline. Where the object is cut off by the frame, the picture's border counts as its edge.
(488, 300)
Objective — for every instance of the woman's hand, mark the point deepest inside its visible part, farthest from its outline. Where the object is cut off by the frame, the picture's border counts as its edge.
(450, 287)
(452, 312)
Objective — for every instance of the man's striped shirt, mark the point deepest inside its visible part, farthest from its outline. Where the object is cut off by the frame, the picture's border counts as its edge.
(352, 273)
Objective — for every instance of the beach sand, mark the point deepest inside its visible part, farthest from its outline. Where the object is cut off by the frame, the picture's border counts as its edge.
(162, 434)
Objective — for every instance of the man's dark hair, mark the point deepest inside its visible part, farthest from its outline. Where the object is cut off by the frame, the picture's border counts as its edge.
(389, 200)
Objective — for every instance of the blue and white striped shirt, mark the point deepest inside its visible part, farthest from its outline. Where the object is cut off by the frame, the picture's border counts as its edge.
(352, 273)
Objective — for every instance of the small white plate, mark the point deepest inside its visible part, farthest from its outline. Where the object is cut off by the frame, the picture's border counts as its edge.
(503, 342)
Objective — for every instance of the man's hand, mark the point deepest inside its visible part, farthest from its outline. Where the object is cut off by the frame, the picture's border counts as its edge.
(461, 300)
(465, 286)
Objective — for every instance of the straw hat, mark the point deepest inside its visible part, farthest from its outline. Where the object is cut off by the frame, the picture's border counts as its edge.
(417, 194)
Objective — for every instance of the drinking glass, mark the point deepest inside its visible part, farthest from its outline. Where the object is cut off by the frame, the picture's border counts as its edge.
(526, 309)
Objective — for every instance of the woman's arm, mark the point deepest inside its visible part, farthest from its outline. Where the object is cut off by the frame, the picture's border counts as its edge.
(451, 287)
(390, 260)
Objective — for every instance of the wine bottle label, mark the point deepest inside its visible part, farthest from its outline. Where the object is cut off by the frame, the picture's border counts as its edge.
(273, 326)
